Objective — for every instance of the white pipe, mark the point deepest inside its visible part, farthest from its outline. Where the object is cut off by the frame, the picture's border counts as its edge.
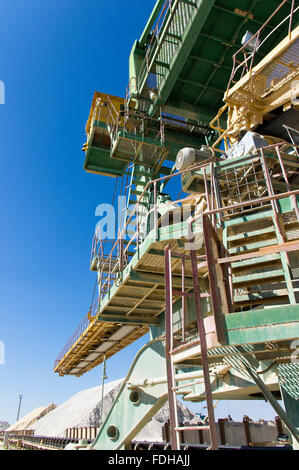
(162, 380)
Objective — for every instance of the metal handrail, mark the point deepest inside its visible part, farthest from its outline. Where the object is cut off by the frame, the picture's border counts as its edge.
(73, 339)
(249, 58)
(152, 45)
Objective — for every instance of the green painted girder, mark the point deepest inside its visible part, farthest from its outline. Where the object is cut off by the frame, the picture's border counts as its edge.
(253, 328)
(189, 111)
(127, 417)
(262, 325)
(188, 40)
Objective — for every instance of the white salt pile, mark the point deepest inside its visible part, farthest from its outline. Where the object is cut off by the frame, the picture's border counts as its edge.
(28, 421)
(80, 410)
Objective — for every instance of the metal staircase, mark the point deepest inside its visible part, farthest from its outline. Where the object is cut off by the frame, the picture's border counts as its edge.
(140, 177)
(261, 281)
(269, 279)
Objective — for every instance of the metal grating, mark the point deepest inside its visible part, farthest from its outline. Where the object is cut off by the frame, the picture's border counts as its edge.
(288, 375)
(275, 73)
(239, 183)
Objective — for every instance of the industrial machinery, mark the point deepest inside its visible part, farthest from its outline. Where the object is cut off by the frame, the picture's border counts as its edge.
(206, 253)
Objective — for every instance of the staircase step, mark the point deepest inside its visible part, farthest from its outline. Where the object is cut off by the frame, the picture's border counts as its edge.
(161, 64)
(260, 295)
(138, 193)
(132, 202)
(248, 218)
(256, 261)
(138, 182)
(142, 173)
(251, 247)
(254, 233)
(250, 278)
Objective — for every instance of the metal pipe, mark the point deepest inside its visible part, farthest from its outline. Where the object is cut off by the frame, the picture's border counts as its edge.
(19, 407)
(162, 380)
(193, 428)
(104, 377)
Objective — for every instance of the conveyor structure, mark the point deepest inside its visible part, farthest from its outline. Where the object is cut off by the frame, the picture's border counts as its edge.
(206, 258)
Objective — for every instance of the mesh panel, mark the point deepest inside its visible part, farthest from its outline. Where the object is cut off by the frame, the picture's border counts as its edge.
(294, 264)
(252, 226)
(292, 234)
(277, 72)
(240, 183)
(288, 376)
(290, 217)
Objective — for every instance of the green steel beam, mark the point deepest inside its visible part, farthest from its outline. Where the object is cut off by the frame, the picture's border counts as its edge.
(210, 62)
(189, 111)
(222, 58)
(136, 58)
(199, 85)
(189, 38)
(255, 326)
(127, 417)
(219, 39)
(236, 12)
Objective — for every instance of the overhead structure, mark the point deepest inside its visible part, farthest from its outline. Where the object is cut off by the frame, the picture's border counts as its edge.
(207, 249)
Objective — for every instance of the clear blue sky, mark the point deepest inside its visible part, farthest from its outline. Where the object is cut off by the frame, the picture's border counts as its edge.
(54, 55)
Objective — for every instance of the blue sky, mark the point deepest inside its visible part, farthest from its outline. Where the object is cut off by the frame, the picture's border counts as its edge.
(54, 55)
